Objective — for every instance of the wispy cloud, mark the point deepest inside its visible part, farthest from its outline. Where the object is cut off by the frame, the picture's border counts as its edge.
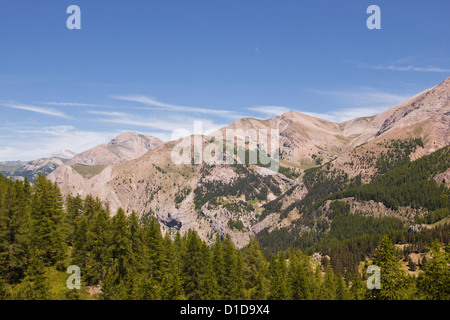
(73, 104)
(411, 68)
(39, 142)
(402, 67)
(342, 115)
(169, 124)
(151, 102)
(364, 96)
(270, 110)
(356, 103)
(47, 111)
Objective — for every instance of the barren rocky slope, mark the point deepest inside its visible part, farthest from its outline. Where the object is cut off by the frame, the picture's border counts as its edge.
(243, 200)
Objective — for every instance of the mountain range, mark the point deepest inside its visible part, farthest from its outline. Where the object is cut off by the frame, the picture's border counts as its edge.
(136, 172)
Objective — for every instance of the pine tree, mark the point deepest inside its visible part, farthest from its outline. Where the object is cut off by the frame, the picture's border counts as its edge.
(299, 276)
(393, 278)
(198, 276)
(35, 285)
(328, 288)
(172, 286)
(434, 282)
(209, 287)
(80, 252)
(255, 272)
(342, 290)
(3, 289)
(121, 246)
(219, 266)
(97, 248)
(115, 286)
(233, 275)
(47, 216)
(153, 249)
(278, 281)
(74, 208)
(14, 230)
(358, 288)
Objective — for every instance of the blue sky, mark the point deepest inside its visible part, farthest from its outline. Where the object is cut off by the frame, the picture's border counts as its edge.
(155, 66)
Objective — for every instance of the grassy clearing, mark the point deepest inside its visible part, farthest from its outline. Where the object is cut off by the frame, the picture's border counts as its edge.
(58, 286)
(88, 171)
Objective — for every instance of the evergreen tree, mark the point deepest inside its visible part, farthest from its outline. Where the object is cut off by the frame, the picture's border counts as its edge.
(233, 275)
(393, 278)
(80, 252)
(3, 289)
(14, 230)
(121, 246)
(255, 272)
(47, 216)
(209, 288)
(434, 281)
(328, 288)
(35, 285)
(144, 287)
(74, 209)
(219, 266)
(342, 290)
(153, 249)
(97, 248)
(300, 275)
(278, 281)
(172, 286)
(358, 288)
(198, 276)
(115, 286)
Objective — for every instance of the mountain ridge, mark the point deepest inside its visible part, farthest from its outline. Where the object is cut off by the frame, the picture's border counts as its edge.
(194, 196)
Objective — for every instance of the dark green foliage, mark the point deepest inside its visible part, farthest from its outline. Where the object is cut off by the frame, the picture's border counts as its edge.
(15, 229)
(249, 186)
(289, 172)
(197, 271)
(434, 282)
(278, 277)
(255, 272)
(35, 285)
(397, 155)
(300, 277)
(346, 225)
(235, 224)
(130, 258)
(434, 216)
(182, 194)
(47, 216)
(393, 278)
(408, 185)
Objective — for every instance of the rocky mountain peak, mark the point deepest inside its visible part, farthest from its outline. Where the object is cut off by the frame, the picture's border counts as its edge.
(63, 154)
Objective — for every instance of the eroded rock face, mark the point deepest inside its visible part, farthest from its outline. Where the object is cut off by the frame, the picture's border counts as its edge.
(443, 177)
(126, 147)
(137, 173)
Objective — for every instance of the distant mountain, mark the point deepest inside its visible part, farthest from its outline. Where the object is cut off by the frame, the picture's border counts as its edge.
(63, 154)
(137, 173)
(18, 170)
(127, 146)
(93, 167)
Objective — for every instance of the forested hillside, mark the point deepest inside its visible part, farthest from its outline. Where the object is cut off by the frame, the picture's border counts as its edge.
(348, 238)
(122, 257)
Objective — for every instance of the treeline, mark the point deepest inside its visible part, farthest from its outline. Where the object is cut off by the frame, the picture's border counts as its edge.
(408, 185)
(397, 154)
(128, 258)
(250, 184)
